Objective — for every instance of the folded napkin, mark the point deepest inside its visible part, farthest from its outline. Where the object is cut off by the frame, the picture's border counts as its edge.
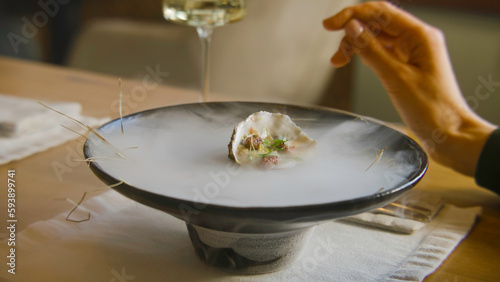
(382, 221)
(126, 241)
(26, 127)
(407, 214)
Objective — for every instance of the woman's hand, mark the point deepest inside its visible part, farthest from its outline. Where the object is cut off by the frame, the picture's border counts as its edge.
(411, 60)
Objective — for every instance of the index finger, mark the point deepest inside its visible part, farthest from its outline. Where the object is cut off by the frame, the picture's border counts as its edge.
(391, 19)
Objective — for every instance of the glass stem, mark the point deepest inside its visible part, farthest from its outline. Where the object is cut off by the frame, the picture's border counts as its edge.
(205, 34)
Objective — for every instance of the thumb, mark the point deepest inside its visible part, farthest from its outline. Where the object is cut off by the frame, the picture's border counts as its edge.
(370, 49)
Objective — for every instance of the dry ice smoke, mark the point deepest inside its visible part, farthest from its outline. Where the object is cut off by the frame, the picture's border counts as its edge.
(182, 152)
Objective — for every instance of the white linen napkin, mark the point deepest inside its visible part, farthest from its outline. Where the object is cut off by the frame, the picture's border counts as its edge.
(20, 115)
(27, 127)
(126, 241)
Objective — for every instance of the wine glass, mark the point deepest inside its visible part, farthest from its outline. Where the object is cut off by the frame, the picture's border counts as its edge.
(204, 15)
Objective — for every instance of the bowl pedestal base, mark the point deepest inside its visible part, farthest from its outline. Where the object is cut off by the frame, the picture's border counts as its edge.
(248, 254)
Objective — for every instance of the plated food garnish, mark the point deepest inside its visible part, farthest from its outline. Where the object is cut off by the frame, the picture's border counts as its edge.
(270, 140)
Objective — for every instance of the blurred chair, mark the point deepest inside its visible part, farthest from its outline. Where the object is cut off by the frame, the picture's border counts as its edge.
(126, 48)
(279, 52)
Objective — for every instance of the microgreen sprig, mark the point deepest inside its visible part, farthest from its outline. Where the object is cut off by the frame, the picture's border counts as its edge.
(275, 144)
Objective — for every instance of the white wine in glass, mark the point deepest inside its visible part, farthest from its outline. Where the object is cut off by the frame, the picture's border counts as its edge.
(204, 15)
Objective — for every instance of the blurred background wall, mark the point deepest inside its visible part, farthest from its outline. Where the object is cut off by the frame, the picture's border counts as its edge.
(59, 32)
(473, 40)
(278, 53)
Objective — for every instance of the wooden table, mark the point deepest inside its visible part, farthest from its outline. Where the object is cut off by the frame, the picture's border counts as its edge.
(39, 190)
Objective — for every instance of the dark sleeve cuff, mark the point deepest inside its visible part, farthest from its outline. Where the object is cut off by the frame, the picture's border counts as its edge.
(488, 166)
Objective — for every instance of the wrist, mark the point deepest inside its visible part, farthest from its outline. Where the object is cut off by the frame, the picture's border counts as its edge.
(463, 145)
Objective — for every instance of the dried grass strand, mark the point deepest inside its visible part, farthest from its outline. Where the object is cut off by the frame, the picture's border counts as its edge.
(379, 156)
(93, 159)
(121, 103)
(76, 205)
(116, 184)
(72, 130)
(79, 141)
(87, 127)
(74, 209)
(361, 119)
